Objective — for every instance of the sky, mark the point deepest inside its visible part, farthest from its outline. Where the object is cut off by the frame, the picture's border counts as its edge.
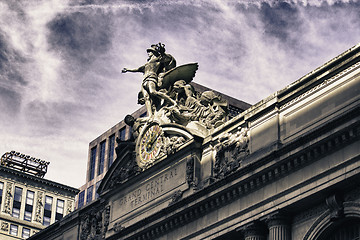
(61, 84)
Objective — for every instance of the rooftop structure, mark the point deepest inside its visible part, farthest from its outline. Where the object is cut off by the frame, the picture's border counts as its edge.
(24, 163)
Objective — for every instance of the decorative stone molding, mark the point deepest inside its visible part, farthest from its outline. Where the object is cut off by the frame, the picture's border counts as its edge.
(39, 207)
(230, 150)
(8, 197)
(123, 173)
(176, 197)
(335, 205)
(94, 223)
(128, 167)
(310, 213)
(321, 85)
(190, 172)
(5, 226)
(69, 206)
(172, 144)
(106, 220)
(118, 227)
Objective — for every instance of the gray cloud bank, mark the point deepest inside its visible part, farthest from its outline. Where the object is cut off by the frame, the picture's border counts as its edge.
(60, 61)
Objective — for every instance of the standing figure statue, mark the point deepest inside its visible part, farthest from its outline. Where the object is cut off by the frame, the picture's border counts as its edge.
(157, 63)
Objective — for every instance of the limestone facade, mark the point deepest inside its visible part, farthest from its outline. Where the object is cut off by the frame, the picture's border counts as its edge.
(286, 168)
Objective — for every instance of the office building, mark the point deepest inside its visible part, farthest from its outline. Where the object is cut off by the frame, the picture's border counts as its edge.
(28, 202)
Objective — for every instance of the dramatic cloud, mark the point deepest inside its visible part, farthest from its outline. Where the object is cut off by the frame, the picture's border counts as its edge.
(60, 61)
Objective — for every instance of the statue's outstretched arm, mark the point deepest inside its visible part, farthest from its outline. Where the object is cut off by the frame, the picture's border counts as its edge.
(139, 69)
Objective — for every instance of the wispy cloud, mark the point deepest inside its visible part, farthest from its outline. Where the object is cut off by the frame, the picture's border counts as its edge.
(60, 61)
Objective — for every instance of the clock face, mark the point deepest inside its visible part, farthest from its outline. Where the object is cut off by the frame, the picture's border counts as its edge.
(150, 145)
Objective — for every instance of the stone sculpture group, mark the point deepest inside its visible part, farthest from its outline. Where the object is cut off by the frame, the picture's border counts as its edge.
(170, 98)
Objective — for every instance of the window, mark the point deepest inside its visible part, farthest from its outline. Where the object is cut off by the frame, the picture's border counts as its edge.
(18, 194)
(17, 202)
(89, 194)
(29, 205)
(143, 115)
(1, 191)
(101, 158)
(59, 209)
(25, 233)
(47, 210)
(96, 188)
(81, 199)
(48, 203)
(15, 212)
(111, 150)
(46, 221)
(92, 163)
(122, 134)
(14, 229)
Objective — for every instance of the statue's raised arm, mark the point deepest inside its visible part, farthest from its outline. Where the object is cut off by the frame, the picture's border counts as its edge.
(139, 69)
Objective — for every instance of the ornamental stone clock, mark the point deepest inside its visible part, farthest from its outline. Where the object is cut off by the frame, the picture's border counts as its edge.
(149, 145)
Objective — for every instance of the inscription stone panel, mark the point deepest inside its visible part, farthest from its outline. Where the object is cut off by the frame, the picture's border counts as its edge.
(150, 191)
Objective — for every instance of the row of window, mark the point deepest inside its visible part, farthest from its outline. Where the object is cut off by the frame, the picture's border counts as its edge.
(29, 205)
(89, 194)
(233, 111)
(101, 160)
(14, 231)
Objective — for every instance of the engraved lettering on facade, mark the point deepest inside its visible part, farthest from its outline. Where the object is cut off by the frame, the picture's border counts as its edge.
(148, 191)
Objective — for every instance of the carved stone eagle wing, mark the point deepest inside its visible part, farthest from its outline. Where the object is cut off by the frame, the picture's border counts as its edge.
(184, 72)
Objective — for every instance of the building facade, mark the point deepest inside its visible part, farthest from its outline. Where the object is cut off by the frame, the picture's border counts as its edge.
(102, 149)
(286, 168)
(28, 202)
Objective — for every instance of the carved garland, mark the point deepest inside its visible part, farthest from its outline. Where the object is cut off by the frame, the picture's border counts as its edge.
(69, 206)
(39, 207)
(94, 224)
(190, 172)
(8, 197)
(230, 150)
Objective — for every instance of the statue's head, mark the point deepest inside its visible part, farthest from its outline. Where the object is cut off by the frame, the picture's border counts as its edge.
(153, 49)
(129, 120)
(207, 97)
(179, 85)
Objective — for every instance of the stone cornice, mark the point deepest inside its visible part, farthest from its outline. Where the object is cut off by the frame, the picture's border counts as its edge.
(313, 81)
(43, 181)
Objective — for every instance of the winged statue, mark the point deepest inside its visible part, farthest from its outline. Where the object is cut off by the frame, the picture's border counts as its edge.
(160, 73)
